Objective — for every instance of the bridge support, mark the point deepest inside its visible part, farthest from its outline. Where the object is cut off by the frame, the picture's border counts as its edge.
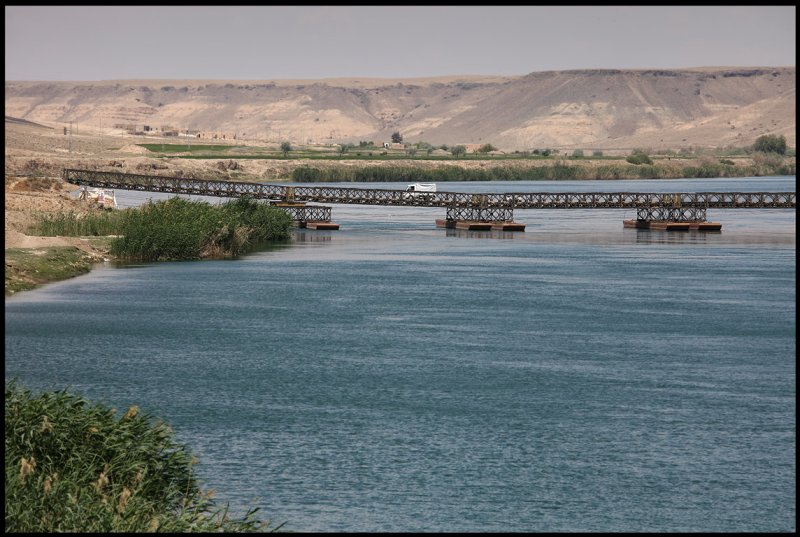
(308, 216)
(480, 218)
(672, 219)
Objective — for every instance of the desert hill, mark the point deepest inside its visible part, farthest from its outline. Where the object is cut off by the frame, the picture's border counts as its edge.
(582, 109)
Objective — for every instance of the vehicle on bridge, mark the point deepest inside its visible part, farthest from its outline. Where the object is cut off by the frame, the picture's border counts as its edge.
(419, 191)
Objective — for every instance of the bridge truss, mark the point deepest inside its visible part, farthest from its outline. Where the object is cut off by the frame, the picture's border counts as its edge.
(494, 207)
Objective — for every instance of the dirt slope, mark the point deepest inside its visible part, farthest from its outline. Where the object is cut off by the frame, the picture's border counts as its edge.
(587, 109)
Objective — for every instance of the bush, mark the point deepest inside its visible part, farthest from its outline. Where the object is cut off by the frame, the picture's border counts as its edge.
(71, 466)
(770, 143)
(639, 157)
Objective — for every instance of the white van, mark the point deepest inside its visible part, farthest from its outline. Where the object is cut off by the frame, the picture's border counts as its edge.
(419, 190)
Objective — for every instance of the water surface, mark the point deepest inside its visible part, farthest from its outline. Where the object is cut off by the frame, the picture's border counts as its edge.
(392, 376)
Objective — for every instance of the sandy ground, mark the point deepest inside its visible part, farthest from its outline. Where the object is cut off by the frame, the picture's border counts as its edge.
(24, 198)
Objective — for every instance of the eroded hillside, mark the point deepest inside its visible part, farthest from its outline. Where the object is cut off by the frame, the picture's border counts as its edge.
(588, 109)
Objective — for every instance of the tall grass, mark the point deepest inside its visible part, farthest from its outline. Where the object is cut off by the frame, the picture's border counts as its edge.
(178, 229)
(553, 172)
(74, 466)
(70, 224)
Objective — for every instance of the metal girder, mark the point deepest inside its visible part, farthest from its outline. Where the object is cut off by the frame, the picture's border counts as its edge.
(370, 196)
(307, 213)
(671, 214)
(480, 214)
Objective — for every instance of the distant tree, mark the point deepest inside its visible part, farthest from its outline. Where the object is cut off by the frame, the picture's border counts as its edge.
(397, 137)
(486, 148)
(597, 153)
(286, 147)
(639, 157)
(411, 151)
(458, 150)
(444, 147)
(344, 148)
(769, 143)
(578, 153)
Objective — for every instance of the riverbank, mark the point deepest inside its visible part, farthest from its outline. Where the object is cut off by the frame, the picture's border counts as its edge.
(35, 158)
(31, 260)
(27, 268)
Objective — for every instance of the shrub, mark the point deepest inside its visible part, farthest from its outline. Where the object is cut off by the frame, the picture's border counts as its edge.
(73, 466)
(639, 157)
(770, 143)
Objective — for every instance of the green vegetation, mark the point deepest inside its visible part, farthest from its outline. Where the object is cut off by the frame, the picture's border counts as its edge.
(74, 466)
(285, 148)
(770, 143)
(27, 268)
(458, 151)
(73, 225)
(558, 170)
(639, 157)
(184, 148)
(423, 151)
(173, 229)
(178, 229)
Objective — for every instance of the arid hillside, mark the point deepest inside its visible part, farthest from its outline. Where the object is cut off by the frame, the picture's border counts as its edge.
(566, 110)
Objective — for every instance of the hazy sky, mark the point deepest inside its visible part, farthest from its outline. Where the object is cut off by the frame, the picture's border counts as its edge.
(284, 42)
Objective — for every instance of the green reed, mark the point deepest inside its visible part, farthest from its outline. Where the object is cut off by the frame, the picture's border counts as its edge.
(70, 224)
(556, 171)
(178, 229)
(75, 466)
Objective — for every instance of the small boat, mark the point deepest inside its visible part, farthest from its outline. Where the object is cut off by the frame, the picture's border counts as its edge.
(99, 195)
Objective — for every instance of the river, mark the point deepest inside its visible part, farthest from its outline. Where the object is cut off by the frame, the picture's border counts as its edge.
(395, 376)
